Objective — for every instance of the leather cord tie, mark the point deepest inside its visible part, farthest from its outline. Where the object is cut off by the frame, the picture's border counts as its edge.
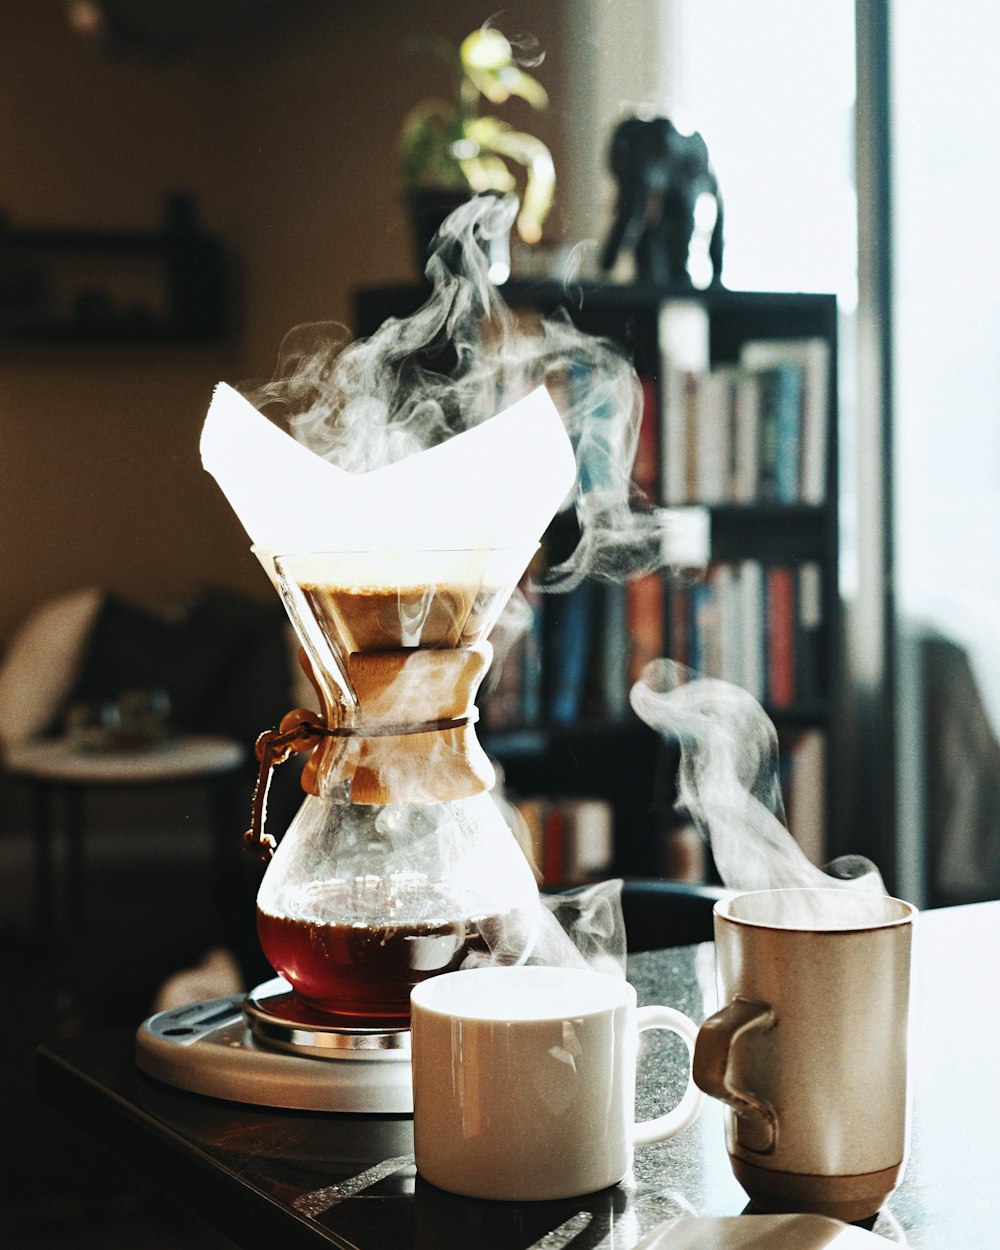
(274, 746)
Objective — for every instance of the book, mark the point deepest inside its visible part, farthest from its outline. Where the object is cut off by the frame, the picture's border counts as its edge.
(570, 638)
(780, 389)
(589, 839)
(753, 664)
(678, 403)
(730, 624)
(810, 650)
(745, 483)
(700, 626)
(683, 338)
(806, 793)
(780, 637)
(645, 623)
(553, 861)
(532, 813)
(812, 356)
(598, 456)
(614, 650)
(532, 657)
(713, 441)
(645, 468)
(680, 625)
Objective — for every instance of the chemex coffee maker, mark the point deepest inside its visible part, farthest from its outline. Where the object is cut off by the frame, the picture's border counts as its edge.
(399, 864)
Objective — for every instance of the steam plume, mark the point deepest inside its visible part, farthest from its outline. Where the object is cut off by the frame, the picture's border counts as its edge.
(728, 781)
(452, 365)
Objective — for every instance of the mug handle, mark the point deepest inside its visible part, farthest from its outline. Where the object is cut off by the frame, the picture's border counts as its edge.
(711, 1070)
(687, 1110)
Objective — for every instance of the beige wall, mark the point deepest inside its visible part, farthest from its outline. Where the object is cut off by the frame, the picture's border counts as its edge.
(285, 135)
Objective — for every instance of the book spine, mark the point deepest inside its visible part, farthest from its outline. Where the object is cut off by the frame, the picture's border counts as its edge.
(730, 624)
(680, 625)
(806, 793)
(589, 839)
(788, 425)
(532, 662)
(678, 403)
(532, 812)
(781, 637)
(753, 636)
(746, 438)
(767, 469)
(615, 648)
(568, 654)
(699, 627)
(809, 639)
(815, 421)
(553, 861)
(645, 470)
(645, 623)
(713, 438)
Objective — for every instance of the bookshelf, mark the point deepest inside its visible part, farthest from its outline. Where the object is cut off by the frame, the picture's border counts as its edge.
(64, 288)
(771, 582)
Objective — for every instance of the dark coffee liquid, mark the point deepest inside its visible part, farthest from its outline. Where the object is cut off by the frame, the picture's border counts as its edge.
(365, 973)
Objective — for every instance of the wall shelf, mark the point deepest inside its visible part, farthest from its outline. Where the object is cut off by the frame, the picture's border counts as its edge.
(64, 288)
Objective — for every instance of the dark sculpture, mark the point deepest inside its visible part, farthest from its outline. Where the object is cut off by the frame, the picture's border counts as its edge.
(661, 172)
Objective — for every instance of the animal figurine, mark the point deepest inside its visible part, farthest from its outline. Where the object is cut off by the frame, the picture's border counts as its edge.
(661, 173)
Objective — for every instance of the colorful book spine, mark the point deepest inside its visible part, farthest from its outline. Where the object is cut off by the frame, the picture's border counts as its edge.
(810, 646)
(645, 623)
(645, 469)
(781, 637)
(569, 650)
(780, 396)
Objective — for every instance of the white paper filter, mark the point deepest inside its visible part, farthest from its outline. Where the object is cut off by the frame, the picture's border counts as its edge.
(496, 485)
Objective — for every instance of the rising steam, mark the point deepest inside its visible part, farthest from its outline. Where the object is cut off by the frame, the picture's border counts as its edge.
(456, 362)
(728, 781)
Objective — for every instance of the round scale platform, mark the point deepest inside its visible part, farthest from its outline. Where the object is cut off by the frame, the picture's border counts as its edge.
(267, 1049)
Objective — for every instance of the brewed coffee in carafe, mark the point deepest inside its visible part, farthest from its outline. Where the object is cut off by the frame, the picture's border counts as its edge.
(399, 865)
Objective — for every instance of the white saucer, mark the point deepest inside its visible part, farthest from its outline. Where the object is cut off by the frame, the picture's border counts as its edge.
(758, 1232)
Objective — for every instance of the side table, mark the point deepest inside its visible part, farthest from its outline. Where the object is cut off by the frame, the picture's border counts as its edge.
(58, 772)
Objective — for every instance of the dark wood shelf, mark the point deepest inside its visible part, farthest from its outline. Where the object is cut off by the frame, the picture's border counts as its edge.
(770, 532)
(68, 334)
(65, 288)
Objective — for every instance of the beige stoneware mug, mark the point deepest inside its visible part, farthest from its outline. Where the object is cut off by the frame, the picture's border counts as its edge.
(524, 1081)
(809, 1049)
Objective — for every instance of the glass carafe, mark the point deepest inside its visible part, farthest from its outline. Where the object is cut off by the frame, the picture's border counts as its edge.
(399, 864)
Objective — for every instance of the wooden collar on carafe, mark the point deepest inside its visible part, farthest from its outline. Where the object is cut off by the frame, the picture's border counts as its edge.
(412, 739)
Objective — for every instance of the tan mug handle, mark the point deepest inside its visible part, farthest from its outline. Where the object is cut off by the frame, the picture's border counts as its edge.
(711, 1068)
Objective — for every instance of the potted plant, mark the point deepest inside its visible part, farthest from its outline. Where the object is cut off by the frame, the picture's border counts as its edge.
(450, 150)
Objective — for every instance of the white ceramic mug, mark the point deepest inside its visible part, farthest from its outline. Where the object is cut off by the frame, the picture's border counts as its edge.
(809, 1050)
(524, 1081)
